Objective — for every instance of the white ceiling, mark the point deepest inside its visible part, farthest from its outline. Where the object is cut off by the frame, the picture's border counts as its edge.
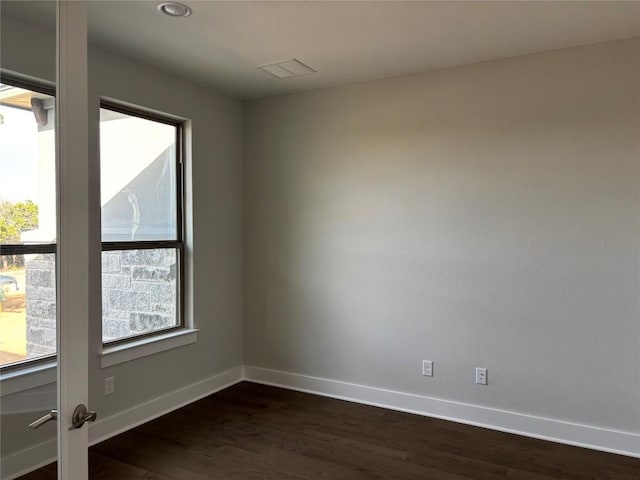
(222, 43)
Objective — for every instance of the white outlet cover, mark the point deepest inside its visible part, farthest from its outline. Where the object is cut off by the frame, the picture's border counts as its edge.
(481, 376)
(109, 385)
(427, 368)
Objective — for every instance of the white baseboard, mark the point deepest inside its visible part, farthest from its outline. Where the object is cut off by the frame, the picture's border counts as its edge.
(144, 412)
(624, 443)
(27, 460)
(613, 441)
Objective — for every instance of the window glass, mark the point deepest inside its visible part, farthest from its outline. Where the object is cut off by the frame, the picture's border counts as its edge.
(27, 225)
(139, 292)
(137, 178)
(27, 167)
(27, 307)
(141, 233)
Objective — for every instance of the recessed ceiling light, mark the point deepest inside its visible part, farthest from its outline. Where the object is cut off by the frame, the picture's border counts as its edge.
(174, 9)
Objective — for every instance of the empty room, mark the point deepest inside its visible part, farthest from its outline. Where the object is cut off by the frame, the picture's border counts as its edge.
(319, 240)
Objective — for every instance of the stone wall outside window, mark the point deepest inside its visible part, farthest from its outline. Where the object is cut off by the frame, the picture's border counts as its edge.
(138, 296)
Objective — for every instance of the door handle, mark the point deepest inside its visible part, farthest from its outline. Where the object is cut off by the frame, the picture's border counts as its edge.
(82, 415)
(52, 415)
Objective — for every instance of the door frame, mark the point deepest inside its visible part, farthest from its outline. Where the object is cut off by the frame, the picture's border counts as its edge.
(74, 240)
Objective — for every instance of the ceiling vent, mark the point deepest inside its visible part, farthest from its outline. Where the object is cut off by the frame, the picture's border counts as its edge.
(288, 69)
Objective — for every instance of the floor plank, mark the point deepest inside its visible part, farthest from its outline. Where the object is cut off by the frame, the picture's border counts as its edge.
(256, 432)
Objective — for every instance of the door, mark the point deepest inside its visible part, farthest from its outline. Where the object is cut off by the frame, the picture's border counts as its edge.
(75, 248)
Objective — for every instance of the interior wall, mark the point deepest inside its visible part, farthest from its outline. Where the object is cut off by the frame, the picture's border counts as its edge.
(479, 216)
(485, 215)
(216, 240)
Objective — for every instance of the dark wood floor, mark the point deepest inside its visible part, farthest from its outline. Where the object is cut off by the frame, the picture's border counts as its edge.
(251, 431)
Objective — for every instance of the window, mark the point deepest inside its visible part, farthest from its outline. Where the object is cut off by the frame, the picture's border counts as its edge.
(142, 223)
(142, 227)
(27, 223)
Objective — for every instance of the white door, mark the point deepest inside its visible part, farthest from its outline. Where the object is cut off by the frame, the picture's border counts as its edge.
(75, 247)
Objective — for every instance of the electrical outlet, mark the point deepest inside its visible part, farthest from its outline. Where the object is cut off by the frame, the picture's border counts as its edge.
(427, 368)
(481, 376)
(109, 385)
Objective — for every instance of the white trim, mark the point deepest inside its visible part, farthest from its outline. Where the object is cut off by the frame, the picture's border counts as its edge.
(146, 346)
(624, 443)
(22, 462)
(116, 424)
(187, 220)
(32, 458)
(26, 378)
(587, 436)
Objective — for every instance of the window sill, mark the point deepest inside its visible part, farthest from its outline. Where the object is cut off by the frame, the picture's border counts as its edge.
(148, 346)
(21, 379)
(29, 377)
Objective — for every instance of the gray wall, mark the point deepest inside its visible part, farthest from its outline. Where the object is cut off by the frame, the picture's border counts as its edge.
(217, 247)
(217, 229)
(485, 215)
